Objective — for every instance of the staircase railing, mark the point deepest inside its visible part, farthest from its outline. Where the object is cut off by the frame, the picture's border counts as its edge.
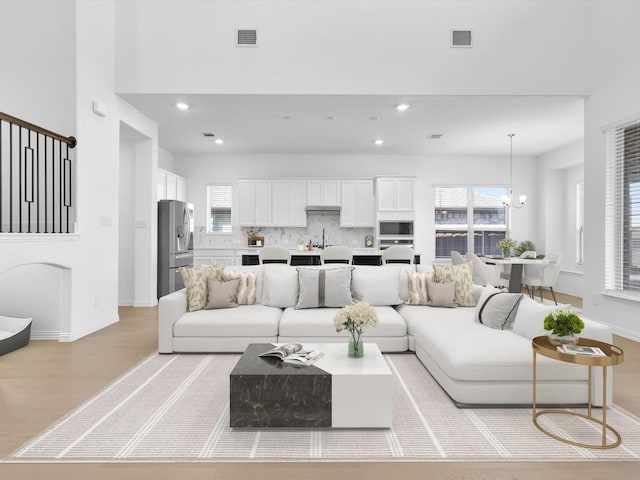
(36, 178)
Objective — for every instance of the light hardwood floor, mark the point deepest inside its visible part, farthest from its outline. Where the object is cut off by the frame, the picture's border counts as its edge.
(44, 381)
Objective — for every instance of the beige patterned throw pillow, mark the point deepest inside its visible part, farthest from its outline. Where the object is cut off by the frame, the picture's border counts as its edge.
(195, 281)
(246, 287)
(418, 288)
(462, 275)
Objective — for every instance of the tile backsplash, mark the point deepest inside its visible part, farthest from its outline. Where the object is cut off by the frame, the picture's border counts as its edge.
(334, 234)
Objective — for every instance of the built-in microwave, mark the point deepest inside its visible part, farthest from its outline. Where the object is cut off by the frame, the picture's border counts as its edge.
(384, 243)
(389, 228)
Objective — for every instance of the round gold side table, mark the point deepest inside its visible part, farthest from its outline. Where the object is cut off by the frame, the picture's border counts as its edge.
(614, 356)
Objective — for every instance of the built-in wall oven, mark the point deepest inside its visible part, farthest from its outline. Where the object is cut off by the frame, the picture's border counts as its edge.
(394, 232)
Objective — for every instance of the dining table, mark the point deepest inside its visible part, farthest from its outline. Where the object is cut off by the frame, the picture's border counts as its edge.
(516, 267)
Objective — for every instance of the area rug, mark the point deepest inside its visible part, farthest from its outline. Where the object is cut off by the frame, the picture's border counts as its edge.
(175, 408)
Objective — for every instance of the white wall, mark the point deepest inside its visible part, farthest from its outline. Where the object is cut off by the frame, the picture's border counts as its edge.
(165, 159)
(614, 52)
(559, 172)
(352, 46)
(126, 225)
(429, 171)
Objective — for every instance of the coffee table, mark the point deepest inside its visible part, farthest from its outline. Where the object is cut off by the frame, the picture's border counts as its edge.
(336, 391)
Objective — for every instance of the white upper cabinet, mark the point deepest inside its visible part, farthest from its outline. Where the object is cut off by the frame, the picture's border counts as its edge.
(357, 204)
(395, 194)
(248, 213)
(288, 202)
(171, 186)
(323, 192)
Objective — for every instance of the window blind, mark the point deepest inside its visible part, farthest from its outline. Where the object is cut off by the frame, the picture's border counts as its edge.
(219, 198)
(622, 218)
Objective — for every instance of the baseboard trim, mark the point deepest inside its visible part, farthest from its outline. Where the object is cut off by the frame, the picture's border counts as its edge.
(69, 337)
(147, 303)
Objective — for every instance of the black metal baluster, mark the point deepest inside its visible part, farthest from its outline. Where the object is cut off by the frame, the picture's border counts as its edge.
(20, 179)
(46, 220)
(37, 183)
(60, 201)
(1, 150)
(67, 184)
(10, 177)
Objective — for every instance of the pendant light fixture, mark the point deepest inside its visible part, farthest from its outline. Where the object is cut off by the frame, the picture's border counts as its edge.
(507, 200)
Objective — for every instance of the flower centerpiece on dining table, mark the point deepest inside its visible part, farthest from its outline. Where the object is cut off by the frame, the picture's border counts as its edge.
(506, 244)
(355, 318)
(563, 326)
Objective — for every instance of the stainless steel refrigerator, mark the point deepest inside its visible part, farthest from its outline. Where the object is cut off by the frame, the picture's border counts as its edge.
(173, 242)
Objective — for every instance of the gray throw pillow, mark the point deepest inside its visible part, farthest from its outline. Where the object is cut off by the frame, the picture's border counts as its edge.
(329, 287)
(222, 294)
(499, 310)
(441, 294)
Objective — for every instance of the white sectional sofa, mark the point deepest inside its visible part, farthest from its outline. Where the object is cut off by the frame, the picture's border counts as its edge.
(474, 364)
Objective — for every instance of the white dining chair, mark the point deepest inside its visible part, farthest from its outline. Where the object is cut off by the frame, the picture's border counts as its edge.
(274, 254)
(336, 254)
(457, 258)
(542, 276)
(398, 254)
(484, 274)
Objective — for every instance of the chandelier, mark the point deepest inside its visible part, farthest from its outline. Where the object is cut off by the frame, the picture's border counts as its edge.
(507, 200)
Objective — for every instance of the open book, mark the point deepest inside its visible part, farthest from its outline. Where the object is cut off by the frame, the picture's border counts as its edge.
(294, 354)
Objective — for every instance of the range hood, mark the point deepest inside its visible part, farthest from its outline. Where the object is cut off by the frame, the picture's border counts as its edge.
(323, 208)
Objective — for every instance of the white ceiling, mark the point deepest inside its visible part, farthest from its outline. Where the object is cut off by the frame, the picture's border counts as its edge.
(472, 125)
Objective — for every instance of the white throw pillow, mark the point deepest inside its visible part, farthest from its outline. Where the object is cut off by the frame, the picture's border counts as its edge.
(499, 310)
(487, 291)
(530, 318)
(280, 286)
(327, 287)
(376, 285)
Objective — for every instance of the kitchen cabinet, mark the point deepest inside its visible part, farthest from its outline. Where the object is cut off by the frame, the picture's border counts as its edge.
(323, 192)
(212, 256)
(254, 209)
(171, 186)
(288, 202)
(395, 194)
(357, 203)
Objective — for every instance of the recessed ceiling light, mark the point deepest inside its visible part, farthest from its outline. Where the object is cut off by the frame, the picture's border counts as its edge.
(402, 107)
(219, 141)
(378, 141)
(182, 106)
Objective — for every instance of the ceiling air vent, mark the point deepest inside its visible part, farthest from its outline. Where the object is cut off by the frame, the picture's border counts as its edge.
(460, 38)
(208, 134)
(434, 136)
(246, 37)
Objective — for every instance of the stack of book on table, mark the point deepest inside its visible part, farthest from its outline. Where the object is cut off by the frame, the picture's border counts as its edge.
(581, 350)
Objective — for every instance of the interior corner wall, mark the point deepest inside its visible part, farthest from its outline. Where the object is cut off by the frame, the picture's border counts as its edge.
(614, 51)
(144, 205)
(126, 225)
(165, 159)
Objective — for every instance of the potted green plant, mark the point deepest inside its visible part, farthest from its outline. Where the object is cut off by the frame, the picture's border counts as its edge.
(506, 244)
(563, 326)
(524, 246)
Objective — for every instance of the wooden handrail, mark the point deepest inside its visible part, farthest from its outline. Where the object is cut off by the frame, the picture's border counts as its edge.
(71, 141)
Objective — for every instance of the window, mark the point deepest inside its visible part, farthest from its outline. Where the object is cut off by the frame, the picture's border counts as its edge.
(622, 258)
(469, 219)
(219, 208)
(580, 223)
